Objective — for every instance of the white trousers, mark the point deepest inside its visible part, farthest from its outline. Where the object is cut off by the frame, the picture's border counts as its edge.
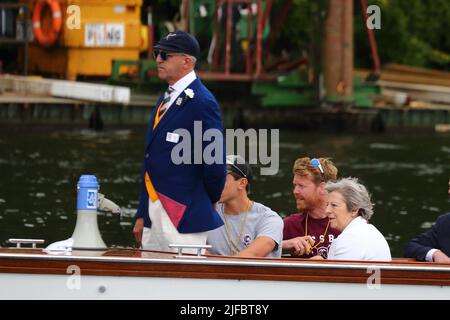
(163, 232)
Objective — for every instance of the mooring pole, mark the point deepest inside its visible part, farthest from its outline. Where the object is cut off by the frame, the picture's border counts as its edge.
(338, 52)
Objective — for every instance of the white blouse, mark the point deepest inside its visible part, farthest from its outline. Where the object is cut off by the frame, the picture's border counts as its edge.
(360, 241)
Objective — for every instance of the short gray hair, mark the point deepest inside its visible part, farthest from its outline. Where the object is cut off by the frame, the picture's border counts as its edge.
(355, 195)
(193, 59)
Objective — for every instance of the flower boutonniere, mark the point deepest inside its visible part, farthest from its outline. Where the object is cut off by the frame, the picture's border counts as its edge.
(189, 93)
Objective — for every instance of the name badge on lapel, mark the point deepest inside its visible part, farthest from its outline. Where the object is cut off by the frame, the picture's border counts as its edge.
(172, 137)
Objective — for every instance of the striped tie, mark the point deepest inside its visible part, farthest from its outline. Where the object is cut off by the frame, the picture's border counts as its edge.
(165, 102)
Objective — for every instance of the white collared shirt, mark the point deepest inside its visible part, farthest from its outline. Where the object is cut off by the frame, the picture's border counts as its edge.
(180, 85)
(429, 256)
(360, 241)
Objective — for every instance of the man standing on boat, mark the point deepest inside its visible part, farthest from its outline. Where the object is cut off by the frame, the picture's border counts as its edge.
(308, 233)
(176, 202)
(434, 244)
(251, 229)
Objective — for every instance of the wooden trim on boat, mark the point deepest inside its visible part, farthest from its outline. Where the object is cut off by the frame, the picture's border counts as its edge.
(138, 263)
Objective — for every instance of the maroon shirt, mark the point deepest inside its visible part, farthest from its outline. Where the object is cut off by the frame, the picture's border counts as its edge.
(295, 224)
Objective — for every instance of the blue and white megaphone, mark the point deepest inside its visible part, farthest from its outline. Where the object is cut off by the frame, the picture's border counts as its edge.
(86, 234)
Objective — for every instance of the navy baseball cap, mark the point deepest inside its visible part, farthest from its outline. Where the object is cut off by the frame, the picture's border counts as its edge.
(179, 41)
(237, 164)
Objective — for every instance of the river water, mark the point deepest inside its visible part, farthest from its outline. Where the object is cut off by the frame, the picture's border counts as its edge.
(406, 173)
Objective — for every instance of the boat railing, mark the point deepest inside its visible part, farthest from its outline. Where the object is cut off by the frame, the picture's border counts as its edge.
(19, 242)
(199, 247)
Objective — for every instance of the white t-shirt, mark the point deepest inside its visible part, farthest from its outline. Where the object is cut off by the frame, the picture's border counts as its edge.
(261, 221)
(360, 241)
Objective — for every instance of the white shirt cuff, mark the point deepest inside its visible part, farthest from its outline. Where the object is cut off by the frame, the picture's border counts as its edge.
(429, 256)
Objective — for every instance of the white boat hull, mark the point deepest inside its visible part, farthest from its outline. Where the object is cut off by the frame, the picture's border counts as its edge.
(60, 287)
(135, 274)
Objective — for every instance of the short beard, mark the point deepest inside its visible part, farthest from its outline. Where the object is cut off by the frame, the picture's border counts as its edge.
(308, 205)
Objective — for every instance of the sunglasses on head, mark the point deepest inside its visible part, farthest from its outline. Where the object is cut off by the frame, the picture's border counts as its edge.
(164, 55)
(317, 164)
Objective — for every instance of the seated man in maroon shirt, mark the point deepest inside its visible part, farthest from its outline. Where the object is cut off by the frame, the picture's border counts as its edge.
(308, 233)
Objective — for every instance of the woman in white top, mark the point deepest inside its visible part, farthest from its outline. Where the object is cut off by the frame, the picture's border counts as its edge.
(349, 208)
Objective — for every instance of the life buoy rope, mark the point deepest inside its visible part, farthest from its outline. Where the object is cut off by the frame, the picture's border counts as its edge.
(47, 39)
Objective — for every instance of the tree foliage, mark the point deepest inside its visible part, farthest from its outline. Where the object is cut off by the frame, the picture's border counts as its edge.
(413, 32)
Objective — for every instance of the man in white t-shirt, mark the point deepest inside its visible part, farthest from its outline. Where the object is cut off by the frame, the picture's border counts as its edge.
(250, 229)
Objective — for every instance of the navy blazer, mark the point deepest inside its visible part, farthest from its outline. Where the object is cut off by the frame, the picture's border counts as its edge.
(438, 237)
(187, 192)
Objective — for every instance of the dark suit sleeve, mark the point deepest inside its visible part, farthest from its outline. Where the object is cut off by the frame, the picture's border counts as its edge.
(419, 246)
(142, 211)
(213, 174)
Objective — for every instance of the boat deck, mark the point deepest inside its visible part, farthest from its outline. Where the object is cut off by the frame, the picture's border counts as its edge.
(133, 262)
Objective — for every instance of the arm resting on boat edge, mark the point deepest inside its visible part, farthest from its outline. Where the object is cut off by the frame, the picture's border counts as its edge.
(436, 238)
(440, 257)
(260, 247)
(418, 247)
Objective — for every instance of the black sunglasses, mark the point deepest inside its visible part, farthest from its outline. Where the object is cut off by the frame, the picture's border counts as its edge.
(164, 55)
(317, 164)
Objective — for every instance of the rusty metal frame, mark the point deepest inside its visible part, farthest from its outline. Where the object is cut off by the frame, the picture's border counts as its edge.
(251, 72)
(373, 44)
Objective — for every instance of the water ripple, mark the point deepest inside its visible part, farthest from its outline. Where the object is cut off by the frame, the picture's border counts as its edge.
(34, 155)
(426, 225)
(127, 212)
(445, 149)
(430, 208)
(11, 211)
(418, 169)
(386, 146)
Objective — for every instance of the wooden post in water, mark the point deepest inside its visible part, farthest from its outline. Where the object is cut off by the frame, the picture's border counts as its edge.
(338, 52)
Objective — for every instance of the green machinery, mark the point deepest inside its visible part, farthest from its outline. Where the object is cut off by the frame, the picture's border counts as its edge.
(290, 89)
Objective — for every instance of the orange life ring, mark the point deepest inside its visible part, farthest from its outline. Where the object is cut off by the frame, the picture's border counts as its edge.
(49, 38)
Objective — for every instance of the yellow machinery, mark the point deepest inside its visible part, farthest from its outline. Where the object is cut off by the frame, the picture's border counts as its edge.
(91, 34)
